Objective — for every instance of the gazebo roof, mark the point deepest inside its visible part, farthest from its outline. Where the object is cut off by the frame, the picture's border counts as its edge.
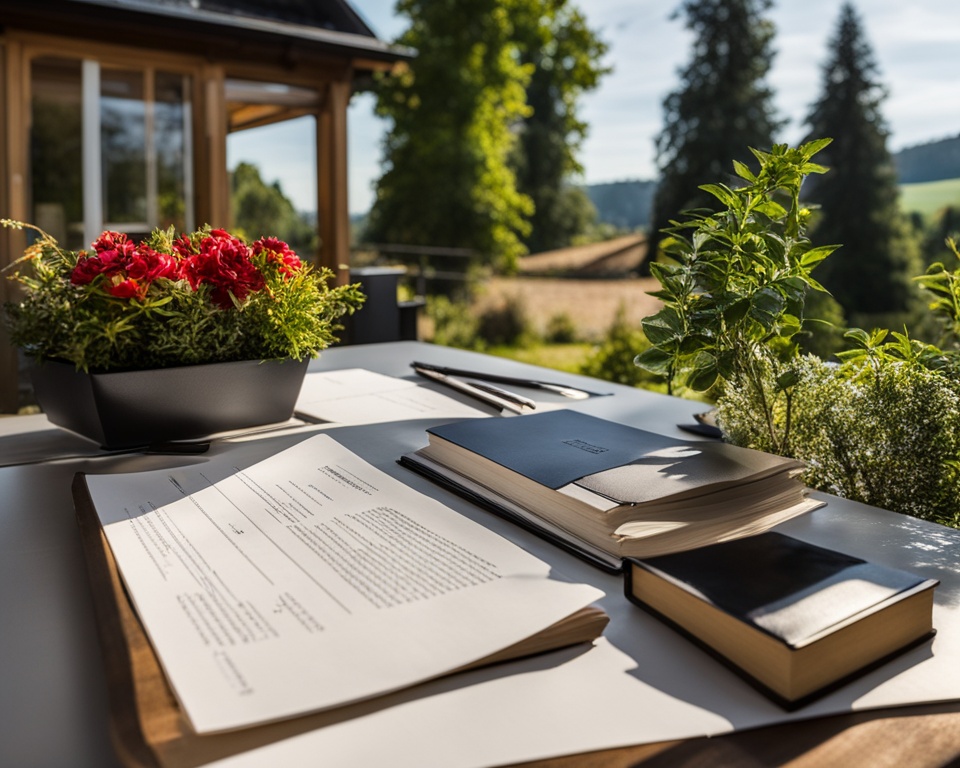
(290, 28)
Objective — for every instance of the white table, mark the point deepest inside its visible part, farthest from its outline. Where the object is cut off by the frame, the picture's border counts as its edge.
(53, 699)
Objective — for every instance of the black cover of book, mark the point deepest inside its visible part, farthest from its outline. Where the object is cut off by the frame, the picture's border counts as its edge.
(795, 619)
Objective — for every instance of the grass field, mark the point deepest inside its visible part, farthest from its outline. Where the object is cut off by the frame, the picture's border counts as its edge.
(929, 197)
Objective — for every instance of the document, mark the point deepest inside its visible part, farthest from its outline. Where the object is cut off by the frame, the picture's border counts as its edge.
(357, 396)
(311, 580)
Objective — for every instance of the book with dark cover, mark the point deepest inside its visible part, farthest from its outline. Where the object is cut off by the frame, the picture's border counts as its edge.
(606, 490)
(795, 619)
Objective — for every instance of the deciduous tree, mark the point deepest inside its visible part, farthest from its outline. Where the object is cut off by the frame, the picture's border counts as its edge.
(447, 179)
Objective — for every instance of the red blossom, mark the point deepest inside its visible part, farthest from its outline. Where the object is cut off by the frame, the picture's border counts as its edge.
(280, 253)
(128, 269)
(223, 262)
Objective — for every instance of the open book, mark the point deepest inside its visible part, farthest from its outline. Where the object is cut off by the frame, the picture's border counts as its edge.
(607, 491)
(306, 582)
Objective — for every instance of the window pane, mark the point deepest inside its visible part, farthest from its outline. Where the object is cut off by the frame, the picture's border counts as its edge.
(56, 159)
(123, 146)
(171, 143)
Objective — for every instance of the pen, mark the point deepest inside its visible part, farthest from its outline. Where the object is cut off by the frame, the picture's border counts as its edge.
(484, 395)
(574, 393)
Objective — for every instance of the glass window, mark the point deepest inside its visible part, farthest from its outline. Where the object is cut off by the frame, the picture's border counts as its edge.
(173, 151)
(56, 152)
(123, 150)
(142, 120)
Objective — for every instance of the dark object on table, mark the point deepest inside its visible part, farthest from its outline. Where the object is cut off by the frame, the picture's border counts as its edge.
(125, 409)
(794, 619)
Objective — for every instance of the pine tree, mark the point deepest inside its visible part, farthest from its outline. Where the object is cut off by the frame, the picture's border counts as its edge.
(448, 181)
(566, 58)
(870, 274)
(721, 109)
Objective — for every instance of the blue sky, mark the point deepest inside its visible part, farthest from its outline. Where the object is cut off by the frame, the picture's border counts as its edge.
(916, 44)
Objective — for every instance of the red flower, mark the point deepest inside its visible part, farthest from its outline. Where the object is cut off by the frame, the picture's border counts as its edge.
(223, 262)
(128, 269)
(280, 253)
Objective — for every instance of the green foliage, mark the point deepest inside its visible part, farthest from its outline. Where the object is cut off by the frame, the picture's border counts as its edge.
(870, 277)
(943, 286)
(565, 58)
(448, 181)
(721, 107)
(612, 360)
(260, 210)
(506, 323)
(878, 429)
(561, 329)
(292, 314)
(881, 425)
(734, 298)
(454, 325)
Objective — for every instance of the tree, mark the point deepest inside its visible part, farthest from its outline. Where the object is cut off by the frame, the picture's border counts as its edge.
(565, 56)
(721, 108)
(447, 180)
(870, 274)
(262, 210)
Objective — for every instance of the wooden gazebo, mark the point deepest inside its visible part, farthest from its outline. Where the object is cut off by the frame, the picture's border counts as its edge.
(116, 113)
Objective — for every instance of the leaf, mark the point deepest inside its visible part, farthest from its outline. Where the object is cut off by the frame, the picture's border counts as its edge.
(743, 171)
(813, 146)
(655, 360)
(723, 193)
(787, 379)
(815, 255)
(704, 372)
(772, 209)
(663, 327)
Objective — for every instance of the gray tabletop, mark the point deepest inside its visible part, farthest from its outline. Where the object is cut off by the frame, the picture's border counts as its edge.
(53, 697)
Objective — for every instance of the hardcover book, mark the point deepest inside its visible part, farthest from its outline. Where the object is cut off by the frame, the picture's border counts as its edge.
(607, 491)
(794, 619)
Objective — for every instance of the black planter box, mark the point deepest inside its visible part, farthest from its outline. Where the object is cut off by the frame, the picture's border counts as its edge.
(127, 409)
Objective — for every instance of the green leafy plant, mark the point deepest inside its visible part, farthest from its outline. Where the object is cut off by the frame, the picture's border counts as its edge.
(880, 424)
(199, 298)
(733, 298)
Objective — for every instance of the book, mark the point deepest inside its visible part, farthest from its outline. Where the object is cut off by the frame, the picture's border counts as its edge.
(235, 611)
(794, 619)
(606, 491)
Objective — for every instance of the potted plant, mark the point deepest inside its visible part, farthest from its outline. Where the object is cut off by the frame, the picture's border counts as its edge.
(173, 337)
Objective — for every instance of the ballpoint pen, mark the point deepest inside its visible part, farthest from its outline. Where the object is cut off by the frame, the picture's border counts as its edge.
(574, 393)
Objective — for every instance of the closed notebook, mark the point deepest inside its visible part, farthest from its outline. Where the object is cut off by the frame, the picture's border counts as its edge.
(795, 619)
(607, 490)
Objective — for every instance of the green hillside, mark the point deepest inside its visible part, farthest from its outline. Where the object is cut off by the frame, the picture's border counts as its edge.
(930, 196)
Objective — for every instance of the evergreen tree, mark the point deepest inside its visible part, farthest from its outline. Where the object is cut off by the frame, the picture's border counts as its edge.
(447, 180)
(870, 274)
(721, 109)
(565, 55)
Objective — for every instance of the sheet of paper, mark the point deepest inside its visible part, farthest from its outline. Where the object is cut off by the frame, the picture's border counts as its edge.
(358, 396)
(313, 579)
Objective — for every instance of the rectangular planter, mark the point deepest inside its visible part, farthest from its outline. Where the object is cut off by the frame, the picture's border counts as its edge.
(127, 409)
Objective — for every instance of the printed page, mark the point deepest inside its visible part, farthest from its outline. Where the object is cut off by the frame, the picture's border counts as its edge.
(358, 396)
(313, 579)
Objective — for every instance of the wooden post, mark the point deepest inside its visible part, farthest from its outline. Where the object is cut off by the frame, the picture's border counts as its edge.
(13, 202)
(210, 162)
(333, 216)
